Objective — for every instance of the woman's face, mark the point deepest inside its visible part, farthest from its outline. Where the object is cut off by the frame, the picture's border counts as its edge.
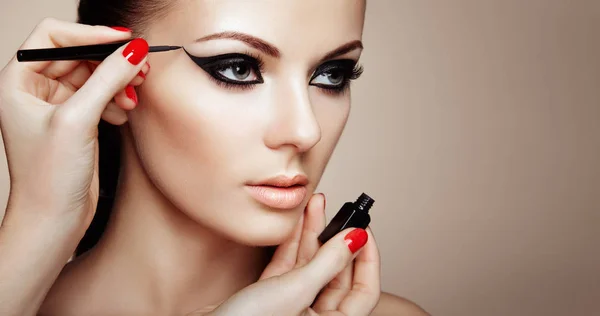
(237, 132)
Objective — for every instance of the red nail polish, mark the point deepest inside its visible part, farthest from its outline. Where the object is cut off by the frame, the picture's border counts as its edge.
(356, 239)
(142, 74)
(136, 51)
(120, 28)
(131, 94)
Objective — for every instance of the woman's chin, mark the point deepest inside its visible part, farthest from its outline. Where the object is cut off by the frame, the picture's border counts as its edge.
(249, 224)
(263, 231)
(261, 237)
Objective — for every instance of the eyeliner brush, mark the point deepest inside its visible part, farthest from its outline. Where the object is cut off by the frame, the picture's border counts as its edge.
(157, 49)
(86, 52)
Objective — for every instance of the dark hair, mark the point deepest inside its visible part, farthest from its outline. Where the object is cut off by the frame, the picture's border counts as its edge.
(133, 14)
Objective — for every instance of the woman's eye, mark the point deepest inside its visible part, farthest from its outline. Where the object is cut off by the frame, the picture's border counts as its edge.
(334, 77)
(238, 72)
(231, 69)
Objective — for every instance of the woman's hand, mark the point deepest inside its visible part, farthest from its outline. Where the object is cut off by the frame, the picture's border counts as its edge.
(49, 117)
(306, 279)
(49, 113)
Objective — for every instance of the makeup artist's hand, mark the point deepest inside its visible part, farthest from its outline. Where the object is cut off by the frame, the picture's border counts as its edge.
(49, 117)
(49, 113)
(341, 278)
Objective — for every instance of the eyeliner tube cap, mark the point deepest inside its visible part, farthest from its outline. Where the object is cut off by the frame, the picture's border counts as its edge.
(364, 203)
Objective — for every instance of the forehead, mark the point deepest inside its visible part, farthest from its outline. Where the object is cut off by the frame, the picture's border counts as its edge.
(290, 25)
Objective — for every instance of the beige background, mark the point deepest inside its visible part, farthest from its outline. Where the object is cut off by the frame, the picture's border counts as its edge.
(476, 127)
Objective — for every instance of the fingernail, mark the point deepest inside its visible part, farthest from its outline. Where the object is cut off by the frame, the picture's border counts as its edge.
(131, 94)
(142, 74)
(120, 28)
(356, 239)
(147, 72)
(136, 51)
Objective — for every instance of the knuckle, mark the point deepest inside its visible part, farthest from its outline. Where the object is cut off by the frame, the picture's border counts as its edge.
(102, 78)
(338, 259)
(66, 121)
(99, 84)
(105, 75)
(363, 288)
(296, 288)
(302, 259)
(287, 264)
(336, 284)
(99, 28)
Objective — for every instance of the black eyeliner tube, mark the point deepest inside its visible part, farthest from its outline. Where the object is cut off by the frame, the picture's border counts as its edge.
(351, 214)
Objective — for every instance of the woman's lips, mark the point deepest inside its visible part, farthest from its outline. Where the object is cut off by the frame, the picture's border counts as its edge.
(278, 197)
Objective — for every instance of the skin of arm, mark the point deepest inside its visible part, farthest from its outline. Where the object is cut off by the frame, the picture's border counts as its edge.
(33, 252)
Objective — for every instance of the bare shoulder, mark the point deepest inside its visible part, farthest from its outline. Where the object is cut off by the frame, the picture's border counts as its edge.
(392, 305)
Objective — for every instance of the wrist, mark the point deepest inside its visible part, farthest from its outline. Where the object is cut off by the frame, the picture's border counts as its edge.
(30, 226)
(34, 248)
(23, 213)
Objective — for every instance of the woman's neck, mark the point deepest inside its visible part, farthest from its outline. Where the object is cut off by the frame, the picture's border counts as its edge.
(155, 251)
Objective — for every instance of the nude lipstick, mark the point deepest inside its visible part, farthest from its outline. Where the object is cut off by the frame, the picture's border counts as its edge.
(351, 214)
(280, 192)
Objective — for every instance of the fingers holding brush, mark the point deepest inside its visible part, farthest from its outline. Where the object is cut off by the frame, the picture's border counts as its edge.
(137, 81)
(110, 78)
(57, 119)
(53, 33)
(125, 100)
(50, 114)
(65, 76)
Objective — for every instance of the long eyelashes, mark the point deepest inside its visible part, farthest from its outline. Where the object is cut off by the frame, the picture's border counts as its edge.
(244, 71)
(215, 66)
(334, 76)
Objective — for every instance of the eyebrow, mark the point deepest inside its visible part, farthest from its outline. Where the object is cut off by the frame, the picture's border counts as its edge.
(270, 49)
(346, 48)
(254, 42)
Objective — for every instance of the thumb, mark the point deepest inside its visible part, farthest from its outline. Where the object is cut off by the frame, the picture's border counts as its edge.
(110, 77)
(331, 259)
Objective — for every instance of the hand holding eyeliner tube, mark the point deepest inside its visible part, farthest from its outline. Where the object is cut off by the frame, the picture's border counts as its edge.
(352, 214)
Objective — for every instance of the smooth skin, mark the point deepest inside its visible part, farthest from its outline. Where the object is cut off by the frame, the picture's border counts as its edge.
(185, 237)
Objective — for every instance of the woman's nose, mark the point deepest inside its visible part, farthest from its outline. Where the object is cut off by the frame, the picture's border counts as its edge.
(294, 122)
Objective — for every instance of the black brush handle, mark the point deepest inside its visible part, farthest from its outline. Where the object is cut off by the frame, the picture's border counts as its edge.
(86, 52)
